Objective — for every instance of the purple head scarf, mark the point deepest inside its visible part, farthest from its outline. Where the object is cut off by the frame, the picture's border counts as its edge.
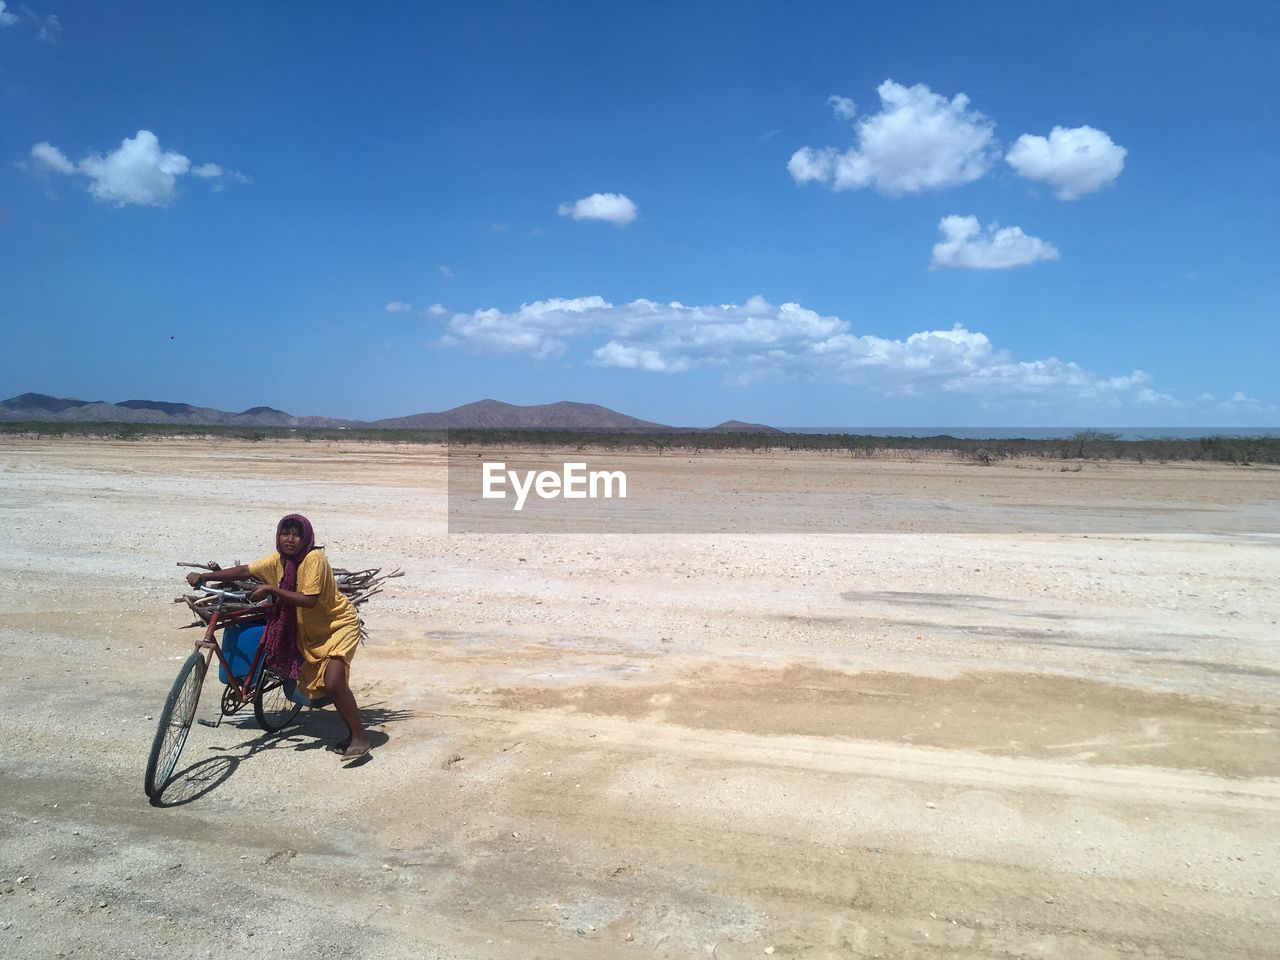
(282, 627)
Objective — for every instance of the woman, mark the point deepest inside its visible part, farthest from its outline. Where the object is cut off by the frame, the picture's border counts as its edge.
(313, 630)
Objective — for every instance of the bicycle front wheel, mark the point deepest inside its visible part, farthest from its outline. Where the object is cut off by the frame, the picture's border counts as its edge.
(271, 704)
(175, 723)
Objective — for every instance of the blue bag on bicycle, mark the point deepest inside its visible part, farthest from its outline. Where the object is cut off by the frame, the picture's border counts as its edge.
(239, 644)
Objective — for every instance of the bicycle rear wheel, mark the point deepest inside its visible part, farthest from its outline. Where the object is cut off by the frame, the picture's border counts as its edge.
(271, 704)
(175, 723)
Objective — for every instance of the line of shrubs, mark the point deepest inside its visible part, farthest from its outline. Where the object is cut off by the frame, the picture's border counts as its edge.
(1086, 445)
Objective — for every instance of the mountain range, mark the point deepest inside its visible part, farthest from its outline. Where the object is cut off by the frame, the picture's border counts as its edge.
(481, 415)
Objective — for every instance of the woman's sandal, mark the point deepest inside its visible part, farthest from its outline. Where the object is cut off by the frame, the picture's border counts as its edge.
(353, 753)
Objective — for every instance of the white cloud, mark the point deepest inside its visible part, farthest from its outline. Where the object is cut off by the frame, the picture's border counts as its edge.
(1075, 161)
(1240, 399)
(1240, 403)
(918, 141)
(1149, 397)
(628, 357)
(758, 339)
(968, 246)
(808, 165)
(435, 310)
(137, 172)
(615, 208)
(50, 157)
(49, 29)
(536, 328)
(446, 271)
(398, 306)
(842, 107)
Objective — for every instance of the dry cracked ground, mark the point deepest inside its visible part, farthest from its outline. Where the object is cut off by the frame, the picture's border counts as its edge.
(888, 744)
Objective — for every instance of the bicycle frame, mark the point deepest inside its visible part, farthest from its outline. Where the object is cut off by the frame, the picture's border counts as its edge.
(210, 642)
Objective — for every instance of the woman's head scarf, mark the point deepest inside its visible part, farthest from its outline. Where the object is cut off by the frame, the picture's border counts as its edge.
(282, 627)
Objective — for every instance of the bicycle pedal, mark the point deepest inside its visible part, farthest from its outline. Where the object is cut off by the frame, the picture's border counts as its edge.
(208, 723)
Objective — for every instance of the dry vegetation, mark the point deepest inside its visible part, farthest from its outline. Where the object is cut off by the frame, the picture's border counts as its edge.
(1085, 445)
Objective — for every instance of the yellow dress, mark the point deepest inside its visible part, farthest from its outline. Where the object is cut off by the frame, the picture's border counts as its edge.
(330, 629)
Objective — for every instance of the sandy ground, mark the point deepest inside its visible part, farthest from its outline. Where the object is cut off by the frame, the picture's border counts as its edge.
(802, 745)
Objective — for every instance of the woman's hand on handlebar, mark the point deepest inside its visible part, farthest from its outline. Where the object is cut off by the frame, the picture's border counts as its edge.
(194, 579)
(262, 593)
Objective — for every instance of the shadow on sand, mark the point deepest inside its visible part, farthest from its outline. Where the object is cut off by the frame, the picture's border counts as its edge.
(314, 730)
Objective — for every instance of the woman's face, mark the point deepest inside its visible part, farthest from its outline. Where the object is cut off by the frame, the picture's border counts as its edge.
(290, 540)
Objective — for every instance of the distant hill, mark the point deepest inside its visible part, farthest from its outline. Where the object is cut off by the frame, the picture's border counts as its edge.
(481, 415)
(173, 409)
(738, 426)
(45, 404)
(38, 406)
(496, 415)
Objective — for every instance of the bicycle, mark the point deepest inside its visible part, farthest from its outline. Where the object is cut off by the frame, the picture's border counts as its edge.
(276, 701)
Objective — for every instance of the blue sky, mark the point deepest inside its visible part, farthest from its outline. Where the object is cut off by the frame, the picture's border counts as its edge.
(818, 214)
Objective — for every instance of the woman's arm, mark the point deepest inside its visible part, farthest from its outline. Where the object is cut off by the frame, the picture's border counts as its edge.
(285, 596)
(238, 572)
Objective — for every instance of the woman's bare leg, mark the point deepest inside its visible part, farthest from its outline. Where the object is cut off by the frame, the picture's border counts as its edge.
(335, 684)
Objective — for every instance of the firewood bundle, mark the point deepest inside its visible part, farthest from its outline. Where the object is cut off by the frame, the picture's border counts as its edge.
(356, 585)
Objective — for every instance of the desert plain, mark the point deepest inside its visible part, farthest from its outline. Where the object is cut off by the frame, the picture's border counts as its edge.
(935, 735)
